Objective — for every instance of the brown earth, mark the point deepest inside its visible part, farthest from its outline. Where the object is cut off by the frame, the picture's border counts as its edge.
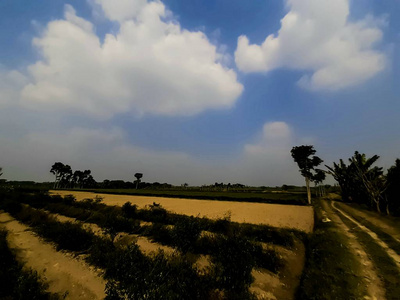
(372, 281)
(66, 276)
(385, 223)
(276, 215)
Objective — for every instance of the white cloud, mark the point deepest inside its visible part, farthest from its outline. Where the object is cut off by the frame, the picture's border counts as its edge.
(317, 36)
(276, 138)
(151, 65)
(11, 83)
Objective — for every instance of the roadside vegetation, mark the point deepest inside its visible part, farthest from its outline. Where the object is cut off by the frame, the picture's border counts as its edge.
(363, 183)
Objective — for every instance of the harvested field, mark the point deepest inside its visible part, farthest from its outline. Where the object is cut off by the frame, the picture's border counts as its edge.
(276, 215)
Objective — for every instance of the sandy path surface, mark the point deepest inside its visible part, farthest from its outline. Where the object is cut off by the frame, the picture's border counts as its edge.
(384, 224)
(373, 283)
(65, 275)
(288, 216)
(389, 251)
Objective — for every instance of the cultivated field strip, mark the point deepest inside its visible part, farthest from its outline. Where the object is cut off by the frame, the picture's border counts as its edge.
(103, 254)
(276, 215)
(65, 275)
(265, 282)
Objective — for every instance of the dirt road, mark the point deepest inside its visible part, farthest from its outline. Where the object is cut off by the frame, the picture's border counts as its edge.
(375, 244)
(276, 215)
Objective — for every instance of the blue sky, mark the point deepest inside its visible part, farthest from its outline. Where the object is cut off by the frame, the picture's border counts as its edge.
(199, 93)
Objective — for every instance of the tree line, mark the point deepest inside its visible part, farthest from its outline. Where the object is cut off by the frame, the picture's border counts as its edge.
(66, 178)
(360, 181)
(363, 183)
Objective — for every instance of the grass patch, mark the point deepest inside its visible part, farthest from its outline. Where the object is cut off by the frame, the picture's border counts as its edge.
(331, 268)
(388, 271)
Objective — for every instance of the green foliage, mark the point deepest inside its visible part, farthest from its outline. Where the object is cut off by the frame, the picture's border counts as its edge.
(129, 210)
(362, 183)
(141, 277)
(185, 234)
(233, 262)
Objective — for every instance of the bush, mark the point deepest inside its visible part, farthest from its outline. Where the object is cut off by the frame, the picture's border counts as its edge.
(223, 225)
(67, 236)
(185, 234)
(140, 277)
(129, 210)
(233, 262)
(160, 233)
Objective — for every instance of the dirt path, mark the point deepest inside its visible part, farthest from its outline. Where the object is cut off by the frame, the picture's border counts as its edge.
(276, 215)
(373, 283)
(65, 275)
(382, 222)
(381, 243)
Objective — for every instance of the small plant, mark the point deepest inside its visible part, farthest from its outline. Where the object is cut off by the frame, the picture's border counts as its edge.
(185, 234)
(233, 262)
(223, 225)
(129, 210)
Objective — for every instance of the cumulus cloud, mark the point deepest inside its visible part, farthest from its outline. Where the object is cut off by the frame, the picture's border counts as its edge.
(151, 65)
(268, 158)
(318, 36)
(11, 82)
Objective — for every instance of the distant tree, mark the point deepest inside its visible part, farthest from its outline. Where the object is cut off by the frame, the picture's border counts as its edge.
(138, 177)
(77, 178)
(307, 162)
(66, 176)
(1, 169)
(58, 170)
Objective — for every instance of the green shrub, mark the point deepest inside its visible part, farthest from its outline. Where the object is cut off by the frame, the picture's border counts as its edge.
(185, 234)
(140, 277)
(233, 262)
(67, 236)
(129, 210)
(160, 233)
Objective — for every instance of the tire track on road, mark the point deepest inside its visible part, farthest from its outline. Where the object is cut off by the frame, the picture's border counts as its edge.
(390, 251)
